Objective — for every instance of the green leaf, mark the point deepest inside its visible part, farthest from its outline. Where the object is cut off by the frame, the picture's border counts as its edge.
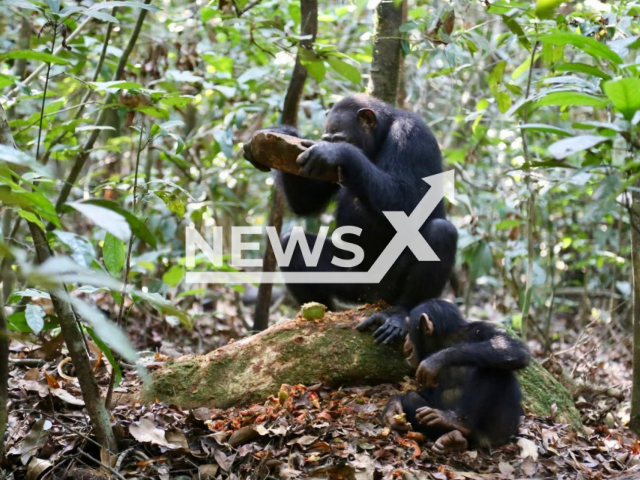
(582, 68)
(115, 85)
(114, 254)
(33, 55)
(173, 276)
(123, 3)
(568, 146)
(495, 77)
(107, 353)
(108, 331)
(571, 99)
(481, 260)
(18, 157)
(508, 224)
(348, 71)
(523, 67)
(539, 127)
(112, 222)
(206, 14)
(34, 315)
(625, 95)
(316, 69)
(517, 29)
(173, 202)
(33, 218)
(504, 101)
(154, 112)
(545, 8)
(588, 45)
(138, 227)
(18, 322)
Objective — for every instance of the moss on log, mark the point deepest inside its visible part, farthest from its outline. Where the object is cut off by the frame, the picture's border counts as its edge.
(279, 151)
(328, 350)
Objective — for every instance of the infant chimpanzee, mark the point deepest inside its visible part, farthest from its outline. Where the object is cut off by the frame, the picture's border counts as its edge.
(466, 369)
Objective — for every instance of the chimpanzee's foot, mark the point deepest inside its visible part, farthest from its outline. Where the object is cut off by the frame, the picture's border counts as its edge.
(391, 325)
(450, 442)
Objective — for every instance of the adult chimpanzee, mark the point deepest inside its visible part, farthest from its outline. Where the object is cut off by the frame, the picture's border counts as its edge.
(467, 372)
(383, 154)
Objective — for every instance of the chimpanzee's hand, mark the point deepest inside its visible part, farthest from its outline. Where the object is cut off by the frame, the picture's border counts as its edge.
(320, 158)
(427, 373)
(391, 325)
(394, 416)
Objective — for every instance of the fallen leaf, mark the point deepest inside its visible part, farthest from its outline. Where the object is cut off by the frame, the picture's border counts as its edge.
(34, 440)
(207, 472)
(528, 449)
(65, 396)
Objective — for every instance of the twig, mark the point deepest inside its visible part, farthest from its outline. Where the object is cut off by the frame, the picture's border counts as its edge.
(44, 93)
(88, 146)
(37, 71)
(530, 209)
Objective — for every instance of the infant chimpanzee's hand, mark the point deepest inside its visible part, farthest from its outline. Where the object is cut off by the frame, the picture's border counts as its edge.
(428, 372)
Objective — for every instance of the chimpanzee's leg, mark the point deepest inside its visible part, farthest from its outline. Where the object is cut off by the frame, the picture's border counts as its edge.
(410, 282)
(324, 293)
(490, 404)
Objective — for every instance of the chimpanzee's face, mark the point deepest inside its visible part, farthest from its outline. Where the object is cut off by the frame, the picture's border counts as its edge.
(410, 353)
(344, 126)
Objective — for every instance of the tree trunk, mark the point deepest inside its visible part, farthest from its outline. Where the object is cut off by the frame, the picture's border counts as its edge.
(385, 66)
(634, 218)
(309, 352)
(308, 27)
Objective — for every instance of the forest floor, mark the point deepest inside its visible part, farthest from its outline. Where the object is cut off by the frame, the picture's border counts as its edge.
(308, 432)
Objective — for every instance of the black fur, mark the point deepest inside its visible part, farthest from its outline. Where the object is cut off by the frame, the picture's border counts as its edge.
(476, 383)
(382, 164)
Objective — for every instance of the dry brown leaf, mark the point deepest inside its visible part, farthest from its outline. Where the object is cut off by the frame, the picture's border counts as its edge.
(528, 449)
(65, 396)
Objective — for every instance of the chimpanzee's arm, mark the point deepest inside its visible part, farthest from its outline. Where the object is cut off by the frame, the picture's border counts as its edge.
(304, 195)
(497, 351)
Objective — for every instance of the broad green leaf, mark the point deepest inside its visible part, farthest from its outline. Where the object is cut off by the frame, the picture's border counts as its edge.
(504, 101)
(114, 254)
(625, 95)
(495, 77)
(348, 71)
(154, 112)
(34, 315)
(481, 260)
(107, 353)
(523, 67)
(508, 224)
(173, 276)
(545, 8)
(515, 27)
(18, 322)
(316, 69)
(82, 250)
(111, 221)
(138, 227)
(588, 45)
(571, 99)
(582, 68)
(33, 55)
(32, 218)
(32, 201)
(568, 146)
(18, 157)
(173, 202)
(206, 14)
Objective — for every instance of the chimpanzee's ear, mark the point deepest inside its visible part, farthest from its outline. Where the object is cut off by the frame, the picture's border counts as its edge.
(368, 118)
(426, 324)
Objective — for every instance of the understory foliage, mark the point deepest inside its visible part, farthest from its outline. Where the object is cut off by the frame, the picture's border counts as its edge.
(125, 135)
